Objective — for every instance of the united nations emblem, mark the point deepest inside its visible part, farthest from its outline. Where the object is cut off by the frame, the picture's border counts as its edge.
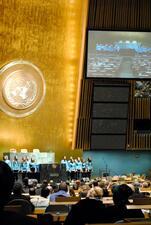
(23, 88)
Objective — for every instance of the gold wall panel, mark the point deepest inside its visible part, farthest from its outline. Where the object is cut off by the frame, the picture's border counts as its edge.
(48, 33)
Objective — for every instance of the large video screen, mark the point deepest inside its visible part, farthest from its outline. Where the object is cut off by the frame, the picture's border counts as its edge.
(119, 54)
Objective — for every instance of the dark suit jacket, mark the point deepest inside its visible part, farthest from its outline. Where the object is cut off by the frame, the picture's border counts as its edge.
(12, 218)
(116, 213)
(93, 211)
(27, 198)
(86, 211)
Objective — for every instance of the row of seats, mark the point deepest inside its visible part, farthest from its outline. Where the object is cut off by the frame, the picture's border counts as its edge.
(24, 207)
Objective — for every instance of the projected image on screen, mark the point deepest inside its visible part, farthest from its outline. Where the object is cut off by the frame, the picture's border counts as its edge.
(116, 54)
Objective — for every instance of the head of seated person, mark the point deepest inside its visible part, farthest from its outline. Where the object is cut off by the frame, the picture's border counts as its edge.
(17, 189)
(137, 184)
(121, 194)
(55, 187)
(7, 182)
(63, 187)
(78, 183)
(71, 191)
(75, 186)
(35, 182)
(62, 192)
(137, 191)
(45, 192)
(95, 192)
(84, 191)
(44, 184)
(105, 192)
(102, 184)
(82, 181)
(146, 184)
(95, 183)
(50, 189)
(25, 182)
(32, 191)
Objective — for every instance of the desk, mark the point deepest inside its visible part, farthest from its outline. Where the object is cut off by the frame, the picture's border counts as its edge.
(145, 209)
(107, 201)
(138, 206)
(39, 210)
(62, 203)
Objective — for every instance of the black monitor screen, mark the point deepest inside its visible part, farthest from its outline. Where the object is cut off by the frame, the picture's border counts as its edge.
(119, 54)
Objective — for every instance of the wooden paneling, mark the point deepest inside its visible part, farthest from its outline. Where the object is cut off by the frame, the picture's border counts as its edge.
(84, 119)
(141, 141)
(142, 108)
(120, 14)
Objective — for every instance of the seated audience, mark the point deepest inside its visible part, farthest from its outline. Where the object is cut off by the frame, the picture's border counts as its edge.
(25, 185)
(119, 211)
(88, 210)
(62, 192)
(7, 182)
(41, 201)
(138, 194)
(105, 186)
(72, 192)
(41, 186)
(17, 194)
(32, 191)
(146, 184)
(83, 190)
(95, 192)
(45, 192)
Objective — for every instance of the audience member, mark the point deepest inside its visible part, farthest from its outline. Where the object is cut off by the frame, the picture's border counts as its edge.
(95, 192)
(119, 211)
(71, 191)
(25, 183)
(45, 192)
(83, 190)
(18, 191)
(62, 192)
(39, 187)
(7, 182)
(87, 211)
(17, 194)
(32, 191)
(138, 194)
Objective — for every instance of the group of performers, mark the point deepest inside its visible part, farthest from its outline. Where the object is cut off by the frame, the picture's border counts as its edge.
(77, 168)
(23, 166)
(74, 168)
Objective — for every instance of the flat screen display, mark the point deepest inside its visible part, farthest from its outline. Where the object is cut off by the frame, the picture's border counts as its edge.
(119, 54)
